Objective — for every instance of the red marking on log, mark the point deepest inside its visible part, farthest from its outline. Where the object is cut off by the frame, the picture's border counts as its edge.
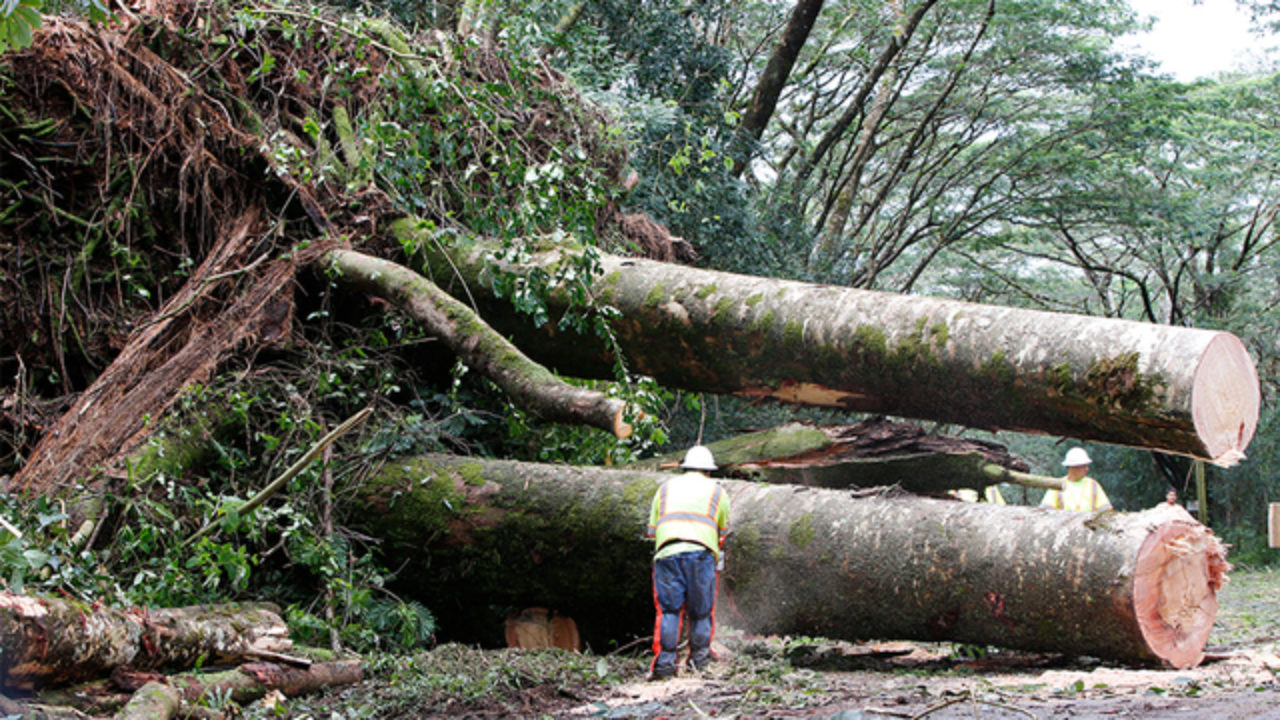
(268, 674)
(996, 601)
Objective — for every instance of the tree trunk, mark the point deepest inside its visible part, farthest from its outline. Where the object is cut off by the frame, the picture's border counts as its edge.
(252, 681)
(774, 78)
(530, 385)
(180, 346)
(1181, 390)
(243, 684)
(1134, 587)
(49, 641)
(872, 453)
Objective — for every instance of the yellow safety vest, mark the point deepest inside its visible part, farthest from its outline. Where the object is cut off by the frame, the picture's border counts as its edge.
(689, 510)
(1083, 495)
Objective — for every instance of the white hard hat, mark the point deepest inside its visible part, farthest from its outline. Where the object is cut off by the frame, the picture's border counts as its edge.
(1076, 456)
(698, 458)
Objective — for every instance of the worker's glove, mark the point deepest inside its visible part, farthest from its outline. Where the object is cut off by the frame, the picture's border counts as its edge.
(720, 562)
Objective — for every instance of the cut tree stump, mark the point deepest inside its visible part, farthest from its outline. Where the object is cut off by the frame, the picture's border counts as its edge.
(1132, 587)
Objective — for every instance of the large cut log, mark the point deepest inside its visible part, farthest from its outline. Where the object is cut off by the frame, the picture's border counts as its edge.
(49, 641)
(1182, 390)
(478, 536)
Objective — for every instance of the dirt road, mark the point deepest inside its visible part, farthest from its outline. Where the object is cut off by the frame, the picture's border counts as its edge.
(795, 677)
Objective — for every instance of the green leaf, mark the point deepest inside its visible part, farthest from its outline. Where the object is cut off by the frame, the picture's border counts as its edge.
(36, 559)
(47, 519)
(30, 14)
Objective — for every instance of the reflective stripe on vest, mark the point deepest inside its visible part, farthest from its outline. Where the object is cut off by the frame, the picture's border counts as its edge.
(710, 517)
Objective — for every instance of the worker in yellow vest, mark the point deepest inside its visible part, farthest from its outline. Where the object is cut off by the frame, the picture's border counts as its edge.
(1080, 492)
(688, 520)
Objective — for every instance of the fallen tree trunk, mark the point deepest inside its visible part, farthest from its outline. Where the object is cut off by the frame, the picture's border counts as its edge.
(252, 681)
(194, 690)
(1177, 389)
(871, 453)
(48, 641)
(1134, 587)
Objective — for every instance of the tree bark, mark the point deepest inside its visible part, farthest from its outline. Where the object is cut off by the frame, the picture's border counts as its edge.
(243, 684)
(252, 681)
(49, 641)
(871, 453)
(181, 345)
(1182, 390)
(529, 384)
(153, 701)
(1132, 587)
(774, 78)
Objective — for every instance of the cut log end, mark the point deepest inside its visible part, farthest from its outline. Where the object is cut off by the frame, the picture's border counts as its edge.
(1179, 569)
(621, 428)
(1225, 399)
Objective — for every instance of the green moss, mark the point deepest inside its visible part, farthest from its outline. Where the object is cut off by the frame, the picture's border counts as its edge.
(870, 343)
(638, 493)
(997, 367)
(705, 291)
(1116, 382)
(940, 334)
(755, 299)
(773, 443)
(722, 307)
(415, 500)
(801, 531)
(793, 334)
(471, 473)
(765, 322)
(1108, 383)
(612, 278)
(655, 297)
(1060, 377)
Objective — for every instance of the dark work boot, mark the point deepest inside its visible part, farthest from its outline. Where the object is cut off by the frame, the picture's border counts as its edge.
(662, 672)
(701, 659)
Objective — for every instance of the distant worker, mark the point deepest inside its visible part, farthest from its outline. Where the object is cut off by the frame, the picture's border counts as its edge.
(688, 521)
(1080, 492)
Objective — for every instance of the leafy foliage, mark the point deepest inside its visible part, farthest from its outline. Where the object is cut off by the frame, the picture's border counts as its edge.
(18, 19)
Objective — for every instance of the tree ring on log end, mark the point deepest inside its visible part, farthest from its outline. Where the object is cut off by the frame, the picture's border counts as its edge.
(1225, 399)
(1174, 591)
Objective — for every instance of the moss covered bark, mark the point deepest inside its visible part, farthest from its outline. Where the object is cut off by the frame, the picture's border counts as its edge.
(981, 366)
(50, 641)
(529, 384)
(480, 538)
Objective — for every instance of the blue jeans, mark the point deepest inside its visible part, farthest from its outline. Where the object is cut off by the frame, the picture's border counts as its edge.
(684, 585)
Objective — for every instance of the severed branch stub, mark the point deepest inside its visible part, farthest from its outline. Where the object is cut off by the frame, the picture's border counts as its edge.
(529, 384)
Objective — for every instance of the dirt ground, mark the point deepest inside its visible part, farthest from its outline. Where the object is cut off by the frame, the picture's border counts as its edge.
(916, 680)
(772, 677)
